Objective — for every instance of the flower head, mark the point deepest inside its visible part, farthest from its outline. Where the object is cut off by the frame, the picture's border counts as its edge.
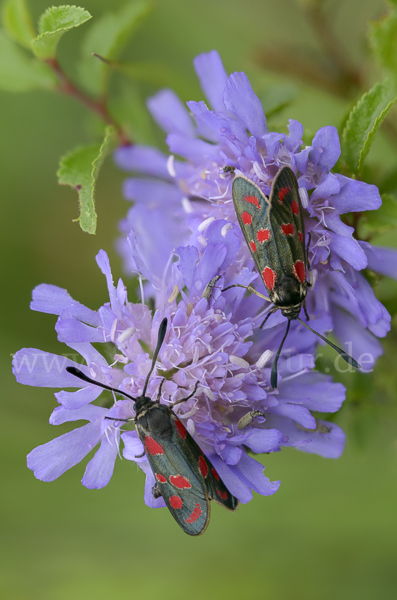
(202, 343)
(195, 191)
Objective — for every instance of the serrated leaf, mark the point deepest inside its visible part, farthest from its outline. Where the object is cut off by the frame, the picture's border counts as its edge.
(381, 220)
(383, 39)
(363, 123)
(53, 23)
(18, 22)
(107, 38)
(80, 169)
(20, 72)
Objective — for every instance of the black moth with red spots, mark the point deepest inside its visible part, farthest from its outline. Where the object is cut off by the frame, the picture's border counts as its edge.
(274, 230)
(184, 476)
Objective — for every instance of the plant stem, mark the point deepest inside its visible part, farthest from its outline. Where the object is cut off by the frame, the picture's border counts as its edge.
(66, 86)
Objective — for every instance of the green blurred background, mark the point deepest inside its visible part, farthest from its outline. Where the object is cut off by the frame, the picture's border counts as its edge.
(331, 529)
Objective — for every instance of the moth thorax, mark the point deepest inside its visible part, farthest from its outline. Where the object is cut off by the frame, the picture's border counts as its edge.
(155, 420)
(288, 294)
(142, 404)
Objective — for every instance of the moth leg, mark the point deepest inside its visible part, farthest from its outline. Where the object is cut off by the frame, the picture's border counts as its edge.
(305, 309)
(156, 491)
(140, 455)
(247, 287)
(159, 394)
(271, 311)
(309, 267)
(187, 398)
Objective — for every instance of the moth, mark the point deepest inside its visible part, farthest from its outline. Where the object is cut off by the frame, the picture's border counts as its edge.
(184, 476)
(274, 230)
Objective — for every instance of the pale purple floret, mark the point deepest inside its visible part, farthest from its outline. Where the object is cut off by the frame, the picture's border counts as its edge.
(233, 131)
(181, 233)
(202, 343)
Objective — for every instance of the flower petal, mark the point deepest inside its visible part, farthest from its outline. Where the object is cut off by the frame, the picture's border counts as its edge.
(72, 330)
(264, 440)
(381, 260)
(355, 196)
(170, 113)
(104, 264)
(213, 78)
(43, 369)
(53, 299)
(99, 470)
(241, 100)
(143, 159)
(325, 148)
(51, 460)
(359, 342)
(349, 250)
(314, 391)
(297, 413)
(75, 400)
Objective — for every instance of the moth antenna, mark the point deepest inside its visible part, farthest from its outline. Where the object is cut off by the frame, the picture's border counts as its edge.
(349, 359)
(273, 375)
(160, 340)
(77, 373)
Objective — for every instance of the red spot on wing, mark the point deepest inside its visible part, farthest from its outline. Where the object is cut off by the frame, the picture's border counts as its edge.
(282, 193)
(263, 235)
(299, 270)
(246, 217)
(202, 464)
(195, 514)
(152, 446)
(287, 229)
(300, 237)
(176, 502)
(253, 246)
(269, 277)
(252, 200)
(181, 429)
(223, 495)
(295, 207)
(180, 482)
(160, 478)
(215, 474)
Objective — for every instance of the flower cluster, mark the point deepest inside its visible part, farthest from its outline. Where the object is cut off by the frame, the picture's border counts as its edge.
(196, 192)
(202, 343)
(181, 234)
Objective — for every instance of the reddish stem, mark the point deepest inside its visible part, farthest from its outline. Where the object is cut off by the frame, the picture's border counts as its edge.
(66, 86)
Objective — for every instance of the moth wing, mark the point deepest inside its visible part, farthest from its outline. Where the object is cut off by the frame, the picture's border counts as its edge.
(253, 213)
(180, 483)
(286, 217)
(214, 485)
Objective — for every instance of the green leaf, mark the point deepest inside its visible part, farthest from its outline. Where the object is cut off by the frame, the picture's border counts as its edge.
(18, 22)
(383, 39)
(20, 72)
(363, 123)
(107, 38)
(381, 220)
(80, 169)
(53, 24)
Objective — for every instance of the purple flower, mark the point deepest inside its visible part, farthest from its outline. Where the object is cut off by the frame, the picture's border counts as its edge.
(205, 341)
(184, 201)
